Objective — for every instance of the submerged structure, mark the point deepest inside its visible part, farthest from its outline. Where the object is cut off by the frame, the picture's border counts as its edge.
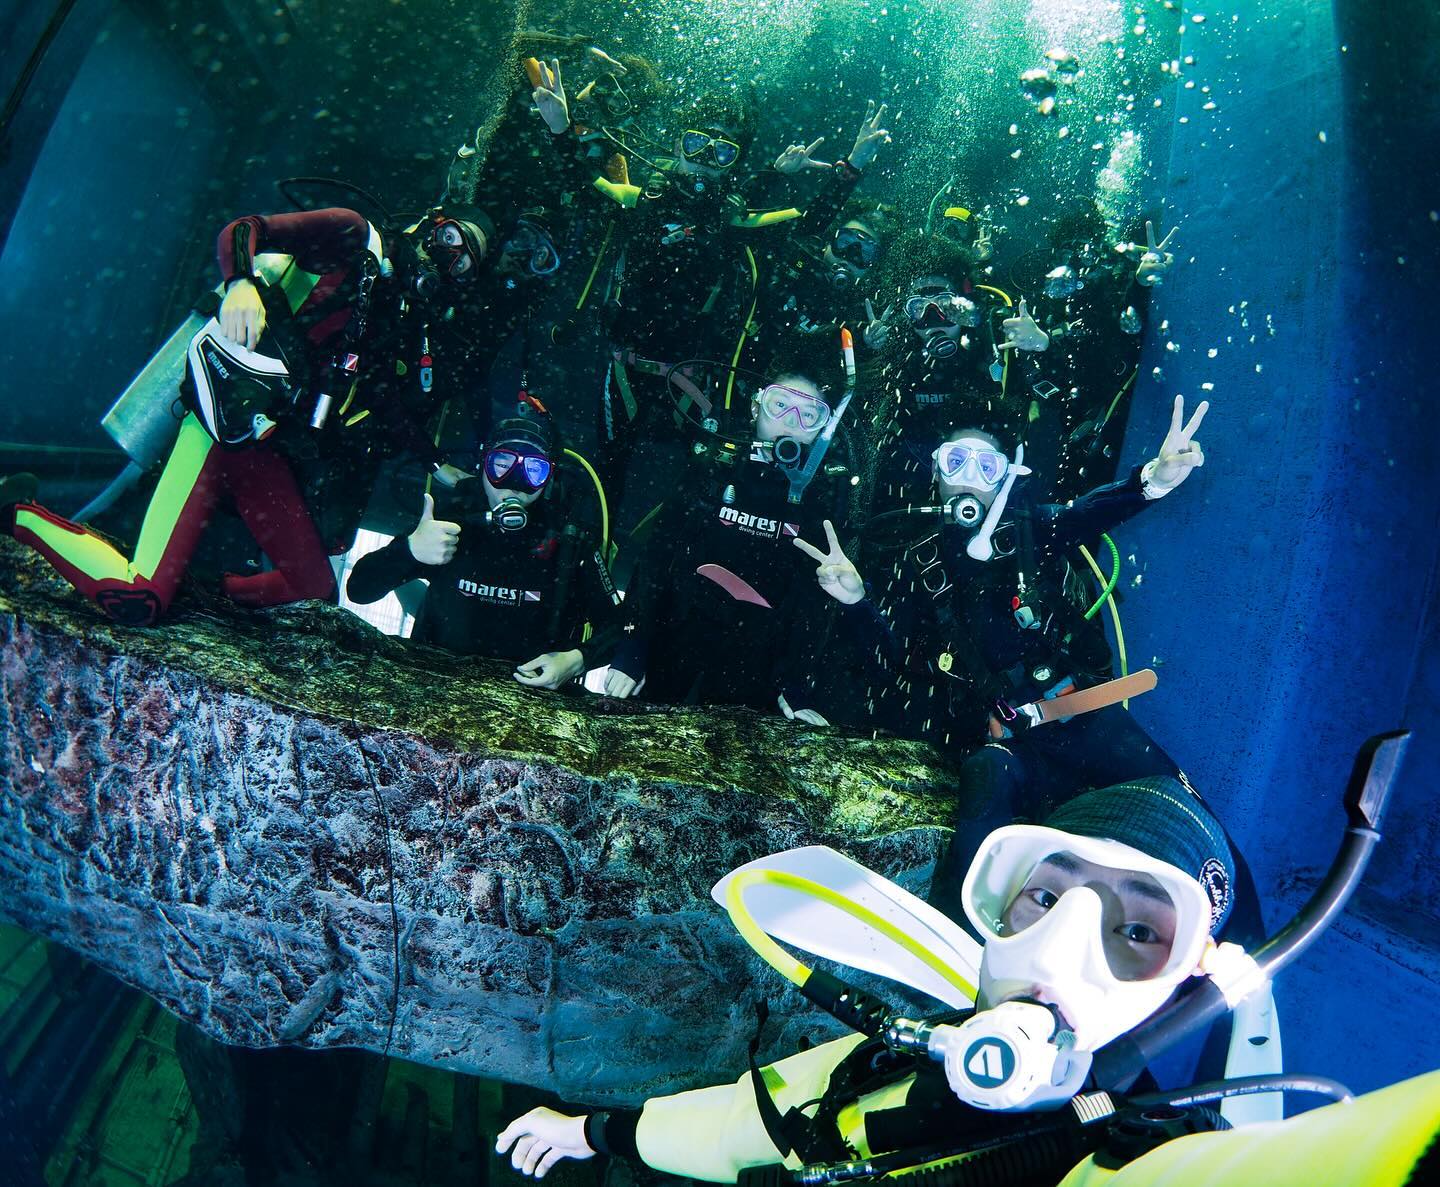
(346, 842)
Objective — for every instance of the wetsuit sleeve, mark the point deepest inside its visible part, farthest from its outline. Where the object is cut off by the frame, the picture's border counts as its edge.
(320, 240)
(380, 572)
(826, 206)
(599, 608)
(712, 1134)
(1081, 520)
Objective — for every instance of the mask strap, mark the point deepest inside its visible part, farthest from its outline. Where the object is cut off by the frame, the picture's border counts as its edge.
(981, 546)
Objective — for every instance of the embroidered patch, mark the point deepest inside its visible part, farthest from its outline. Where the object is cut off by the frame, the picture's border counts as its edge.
(1216, 880)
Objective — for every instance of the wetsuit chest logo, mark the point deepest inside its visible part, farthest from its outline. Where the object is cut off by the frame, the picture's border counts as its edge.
(497, 595)
(929, 399)
(757, 525)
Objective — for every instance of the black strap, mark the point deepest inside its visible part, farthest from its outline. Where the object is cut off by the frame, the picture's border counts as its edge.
(793, 1131)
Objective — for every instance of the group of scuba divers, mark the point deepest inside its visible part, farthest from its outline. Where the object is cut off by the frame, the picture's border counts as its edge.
(859, 434)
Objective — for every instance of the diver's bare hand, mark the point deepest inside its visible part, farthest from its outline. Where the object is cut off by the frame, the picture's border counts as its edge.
(1179, 454)
(434, 541)
(242, 314)
(799, 157)
(1155, 261)
(550, 670)
(808, 716)
(877, 330)
(620, 684)
(870, 137)
(1022, 332)
(550, 99)
(835, 573)
(542, 1137)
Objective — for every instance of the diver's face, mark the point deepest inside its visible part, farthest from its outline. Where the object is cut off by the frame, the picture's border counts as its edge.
(934, 316)
(969, 464)
(851, 253)
(790, 407)
(1138, 915)
(495, 497)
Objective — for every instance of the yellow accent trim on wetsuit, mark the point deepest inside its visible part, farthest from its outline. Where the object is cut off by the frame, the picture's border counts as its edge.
(604, 503)
(627, 196)
(957, 212)
(595, 270)
(1114, 617)
(714, 1133)
(1377, 1140)
(98, 559)
(797, 971)
(754, 219)
(851, 1119)
(745, 329)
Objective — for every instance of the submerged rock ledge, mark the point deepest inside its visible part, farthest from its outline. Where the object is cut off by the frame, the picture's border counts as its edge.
(212, 809)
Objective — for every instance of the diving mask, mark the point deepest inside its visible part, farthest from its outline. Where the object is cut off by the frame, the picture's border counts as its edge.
(533, 248)
(794, 408)
(717, 152)
(512, 469)
(1094, 928)
(972, 462)
(855, 247)
(455, 248)
(941, 309)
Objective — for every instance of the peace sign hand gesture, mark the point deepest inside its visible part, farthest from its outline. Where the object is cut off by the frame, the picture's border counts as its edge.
(549, 97)
(870, 137)
(1180, 453)
(799, 157)
(835, 573)
(877, 328)
(1022, 332)
(1155, 261)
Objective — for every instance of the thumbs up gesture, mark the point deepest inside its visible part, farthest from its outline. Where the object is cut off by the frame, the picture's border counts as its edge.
(434, 541)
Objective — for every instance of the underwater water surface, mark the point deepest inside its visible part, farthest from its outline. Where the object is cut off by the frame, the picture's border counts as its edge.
(287, 900)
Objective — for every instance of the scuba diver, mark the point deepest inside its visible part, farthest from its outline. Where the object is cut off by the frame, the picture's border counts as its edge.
(722, 608)
(1089, 923)
(951, 346)
(980, 630)
(1105, 943)
(816, 282)
(356, 308)
(688, 282)
(1092, 303)
(514, 577)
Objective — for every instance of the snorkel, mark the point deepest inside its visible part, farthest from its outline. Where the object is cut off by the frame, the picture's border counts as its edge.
(800, 476)
(981, 546)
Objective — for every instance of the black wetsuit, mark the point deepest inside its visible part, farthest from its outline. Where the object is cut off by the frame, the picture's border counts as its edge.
(505, 595)
(695, 641)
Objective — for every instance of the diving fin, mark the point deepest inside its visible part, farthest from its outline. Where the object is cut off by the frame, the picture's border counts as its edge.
(817, 927)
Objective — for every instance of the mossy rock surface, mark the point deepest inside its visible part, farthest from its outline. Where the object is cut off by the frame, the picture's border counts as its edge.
(218, 810)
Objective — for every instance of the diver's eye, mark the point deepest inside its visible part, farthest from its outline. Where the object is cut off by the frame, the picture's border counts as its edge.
(1042, 898)
(449, 235)
(1138, 933)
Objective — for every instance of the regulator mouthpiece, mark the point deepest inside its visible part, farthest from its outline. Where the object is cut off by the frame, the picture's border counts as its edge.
(1018, 1055)
(938, 346)
(787, 450)
(509, 515)
(966, 510)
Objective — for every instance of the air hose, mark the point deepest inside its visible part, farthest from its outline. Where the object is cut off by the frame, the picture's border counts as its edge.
(1106, 594)
(856, 1009)
(1114, 611)
(1213, 1090)
(604, 503)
